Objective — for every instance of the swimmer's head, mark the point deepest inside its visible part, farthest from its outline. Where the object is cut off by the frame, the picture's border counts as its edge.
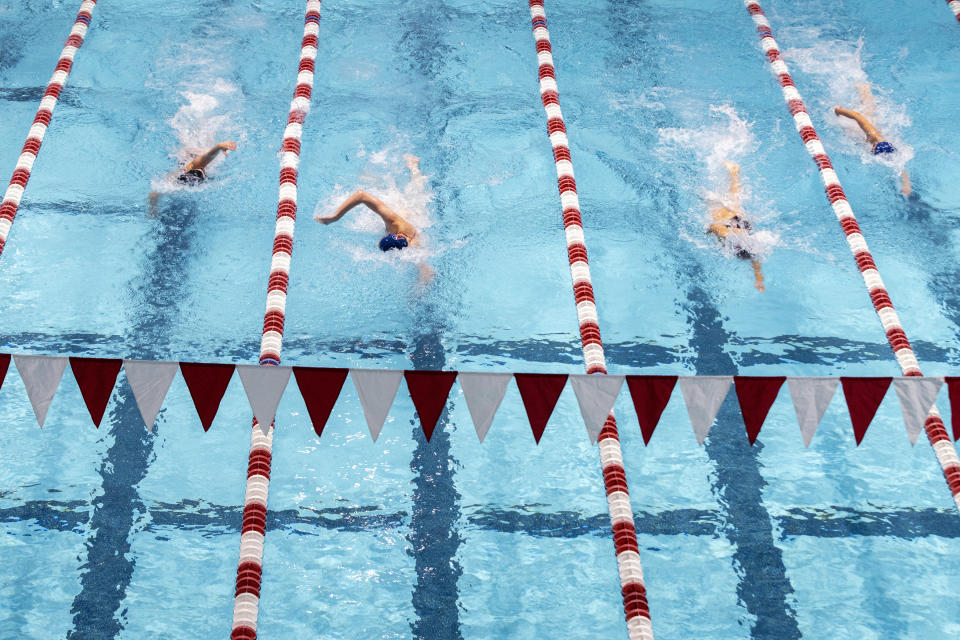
(743, 254)
(883, 147)
(393, 241)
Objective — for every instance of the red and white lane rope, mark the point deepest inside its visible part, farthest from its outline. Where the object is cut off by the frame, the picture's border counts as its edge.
(247, 595)
(21, 173)
(955, 7)
(618, 499)
(937, 434)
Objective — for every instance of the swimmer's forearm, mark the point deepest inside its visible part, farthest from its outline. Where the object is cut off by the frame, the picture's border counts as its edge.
(357, 198)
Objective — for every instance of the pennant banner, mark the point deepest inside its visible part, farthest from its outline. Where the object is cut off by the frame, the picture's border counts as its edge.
(916, 396)
(41, 377)
(704, 395)
(596, 394)
(483, 392)
(863, 396)
(429, 391)
(811, 397)
(377, 389)
(207, 384)
(320, 389)
(4, 365)
(953, 388)
(540, 392)
(149, 382)
(756, 396)
(650, 396)
(264, 386)
(96, 378)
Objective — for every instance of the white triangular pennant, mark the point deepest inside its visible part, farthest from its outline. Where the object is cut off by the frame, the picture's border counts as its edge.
(150, 382)
(264, 386)
(596, 394)
(704, 395)
(484, 393)
(811, 397)
(916, 396)
(41, 376)
(377, 389)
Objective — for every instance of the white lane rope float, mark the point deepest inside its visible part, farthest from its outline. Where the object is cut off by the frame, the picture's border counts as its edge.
(633, 589)
(955, 7)
(250, 565)
(28, 155)
(936, 432)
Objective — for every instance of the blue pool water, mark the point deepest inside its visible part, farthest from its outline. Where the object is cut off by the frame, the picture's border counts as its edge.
(125, 533)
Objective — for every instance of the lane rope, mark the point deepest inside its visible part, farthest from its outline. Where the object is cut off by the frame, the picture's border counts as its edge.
(250, 564)
(28, 155)
(633, 590)
(955, 7)
(936, 433)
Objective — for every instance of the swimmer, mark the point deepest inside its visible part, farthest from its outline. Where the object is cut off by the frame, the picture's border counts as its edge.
(194, 172)
(878, 144)
(399, 234)
(729, 224)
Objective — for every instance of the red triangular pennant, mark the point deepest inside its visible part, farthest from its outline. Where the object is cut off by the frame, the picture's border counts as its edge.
(540, 392)
(756, 395)
(4, 365)
(96, 378)
(650, 397)
(863, 396)
(207, 384)
(953, 387)
(320, 388)
(429, 391)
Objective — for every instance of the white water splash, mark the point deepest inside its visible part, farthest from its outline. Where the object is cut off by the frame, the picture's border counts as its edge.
(202, 121)
(726, 138)
(387, 176)
(839, 66)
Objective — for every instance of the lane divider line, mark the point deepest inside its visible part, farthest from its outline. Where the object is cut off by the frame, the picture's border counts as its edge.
(955, 7)
(246, 602)
(28, 155)
(906, 358)
(633, 589)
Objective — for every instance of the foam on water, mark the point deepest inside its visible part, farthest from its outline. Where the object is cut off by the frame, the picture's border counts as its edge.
(839, 67)
(388, 177)
(205, 118)
(726, 137)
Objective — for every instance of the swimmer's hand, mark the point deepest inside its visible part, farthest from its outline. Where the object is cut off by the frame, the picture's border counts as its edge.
(324, 219)
(227, 147)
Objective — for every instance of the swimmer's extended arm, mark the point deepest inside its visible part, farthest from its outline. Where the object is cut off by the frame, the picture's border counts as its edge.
(758, 275)
(361, 197)
(905, 187)
(873, 136)
(202, 161)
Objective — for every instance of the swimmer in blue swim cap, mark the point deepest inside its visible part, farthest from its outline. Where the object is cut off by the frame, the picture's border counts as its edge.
(400, 234)
(878, 144)
(731, 227)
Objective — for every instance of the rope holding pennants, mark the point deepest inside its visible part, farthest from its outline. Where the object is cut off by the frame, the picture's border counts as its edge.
(429, 391)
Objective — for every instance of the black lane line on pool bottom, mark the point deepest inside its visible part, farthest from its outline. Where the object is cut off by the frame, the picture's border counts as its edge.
(157, 291)
(207, 519)
(763, 586)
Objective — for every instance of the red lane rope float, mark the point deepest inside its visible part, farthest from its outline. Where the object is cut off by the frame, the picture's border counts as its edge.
(21, 173)
(634, 593)
(955, 7)
(936, 433)
(250, 566)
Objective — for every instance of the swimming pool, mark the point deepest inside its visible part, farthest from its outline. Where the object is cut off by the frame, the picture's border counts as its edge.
(125, 533)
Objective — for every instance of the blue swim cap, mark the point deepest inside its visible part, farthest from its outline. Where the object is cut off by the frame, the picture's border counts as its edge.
(392, 241)
(883, 147)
